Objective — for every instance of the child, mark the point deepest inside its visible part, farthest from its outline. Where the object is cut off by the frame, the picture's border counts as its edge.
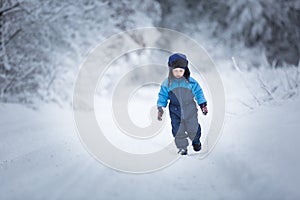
(181, 89)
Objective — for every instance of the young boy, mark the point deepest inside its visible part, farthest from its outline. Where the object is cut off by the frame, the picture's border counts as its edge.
(181, 89)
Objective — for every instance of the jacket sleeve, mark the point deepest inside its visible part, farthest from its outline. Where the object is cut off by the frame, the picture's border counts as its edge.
(163, 96)
(197, 91)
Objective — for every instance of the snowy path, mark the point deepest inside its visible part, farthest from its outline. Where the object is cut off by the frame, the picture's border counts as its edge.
(257, 157)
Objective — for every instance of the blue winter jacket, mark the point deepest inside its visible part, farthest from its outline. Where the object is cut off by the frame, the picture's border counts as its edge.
(181, 94)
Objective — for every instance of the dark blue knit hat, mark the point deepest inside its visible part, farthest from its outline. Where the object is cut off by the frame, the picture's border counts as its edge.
(178, 60)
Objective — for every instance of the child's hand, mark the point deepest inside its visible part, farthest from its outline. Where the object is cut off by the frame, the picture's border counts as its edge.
(204, 110)
(203, 107)
(160, 113)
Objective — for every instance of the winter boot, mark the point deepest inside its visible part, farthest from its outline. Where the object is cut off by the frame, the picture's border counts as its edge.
(197, 146)
(182, 151)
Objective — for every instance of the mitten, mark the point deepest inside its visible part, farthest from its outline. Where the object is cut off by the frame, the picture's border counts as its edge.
(203, 107)
(160, 113)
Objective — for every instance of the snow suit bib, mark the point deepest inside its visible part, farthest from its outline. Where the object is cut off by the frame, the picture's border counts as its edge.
(182, 107)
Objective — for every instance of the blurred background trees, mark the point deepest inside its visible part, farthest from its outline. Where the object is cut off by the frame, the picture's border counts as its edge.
(44, 42)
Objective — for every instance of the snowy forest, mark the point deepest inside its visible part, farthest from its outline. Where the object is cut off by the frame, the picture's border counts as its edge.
(254, 45)
(44, 42)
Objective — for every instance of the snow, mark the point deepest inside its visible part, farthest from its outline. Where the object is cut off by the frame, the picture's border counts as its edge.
(41, 157)
(256, 157)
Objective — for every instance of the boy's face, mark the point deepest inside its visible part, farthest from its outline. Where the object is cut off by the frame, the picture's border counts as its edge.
(178, 72)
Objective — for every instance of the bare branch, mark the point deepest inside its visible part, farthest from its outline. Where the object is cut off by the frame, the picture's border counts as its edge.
(297, 78)
(264, 87)
(245, 104)
(8, 9)
(245, 82)
(12, 37)
(288, 79)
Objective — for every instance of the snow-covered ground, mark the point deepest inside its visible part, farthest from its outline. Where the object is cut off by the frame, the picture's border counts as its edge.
(256, 157)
